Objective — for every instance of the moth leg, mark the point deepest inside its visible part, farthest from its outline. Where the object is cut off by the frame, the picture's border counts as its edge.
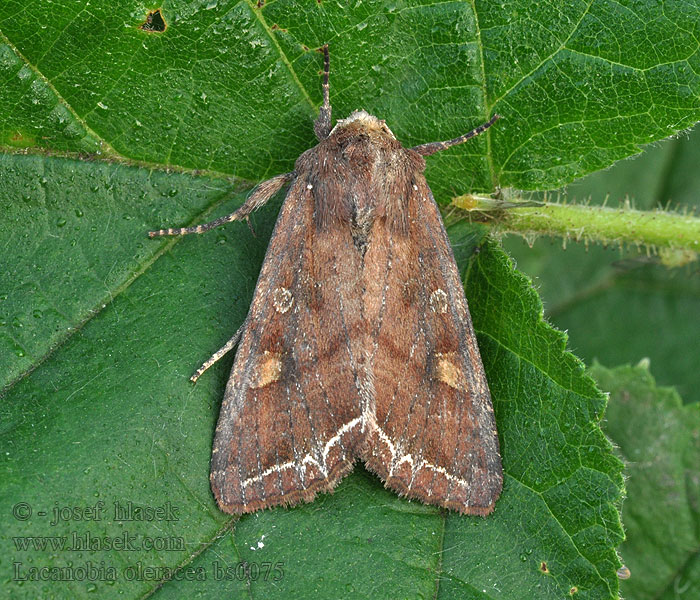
(258, 198)
(433, 147)
(322, 125)
(218, 354)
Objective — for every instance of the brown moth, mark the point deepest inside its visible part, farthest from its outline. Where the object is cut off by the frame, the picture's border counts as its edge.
(358, 343)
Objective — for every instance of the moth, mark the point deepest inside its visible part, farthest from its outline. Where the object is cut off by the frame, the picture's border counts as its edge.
(358, 343)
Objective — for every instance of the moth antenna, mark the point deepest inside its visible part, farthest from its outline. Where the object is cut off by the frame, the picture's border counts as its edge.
(258, 198)
(322, 125)
(218, 354)
(433, 147)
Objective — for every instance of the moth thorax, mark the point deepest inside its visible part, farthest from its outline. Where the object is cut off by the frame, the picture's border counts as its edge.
(360, 225)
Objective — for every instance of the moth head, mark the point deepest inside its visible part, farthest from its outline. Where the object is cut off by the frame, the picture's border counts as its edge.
(361, 122)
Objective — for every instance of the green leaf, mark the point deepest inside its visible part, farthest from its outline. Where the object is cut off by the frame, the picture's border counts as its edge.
(232, 87)
(659, 439)
(619, 306)
(101, 327)
(109, 416)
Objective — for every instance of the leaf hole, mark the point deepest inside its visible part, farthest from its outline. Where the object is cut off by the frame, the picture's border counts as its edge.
(544, 568)
(154, 22)
(573, 590)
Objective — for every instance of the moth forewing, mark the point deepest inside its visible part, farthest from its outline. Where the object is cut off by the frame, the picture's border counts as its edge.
(289, 424)
(434, 435)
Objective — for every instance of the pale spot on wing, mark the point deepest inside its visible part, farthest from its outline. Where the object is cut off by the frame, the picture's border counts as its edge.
(438, 301)
(450, 373)
(282, 299)
(268, 370)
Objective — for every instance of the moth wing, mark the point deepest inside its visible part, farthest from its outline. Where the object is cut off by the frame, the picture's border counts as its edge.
(434, 437)
(291, 420)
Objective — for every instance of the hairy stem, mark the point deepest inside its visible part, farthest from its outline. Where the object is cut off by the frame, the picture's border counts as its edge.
(659, 231)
